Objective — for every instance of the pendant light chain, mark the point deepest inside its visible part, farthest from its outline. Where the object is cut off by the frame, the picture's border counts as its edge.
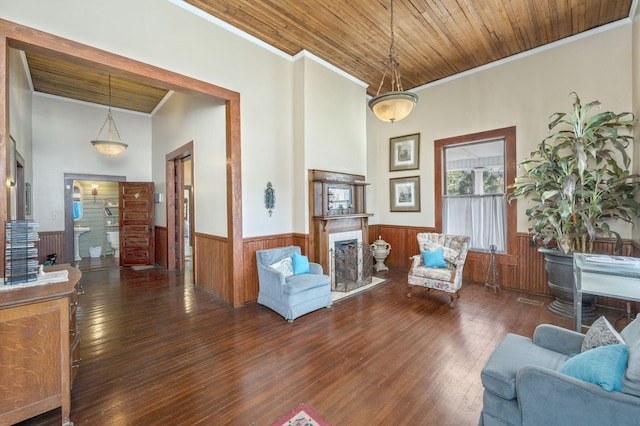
(110, 116)
(109, 146)
(109, 119)
(395, 104)
(396, 84)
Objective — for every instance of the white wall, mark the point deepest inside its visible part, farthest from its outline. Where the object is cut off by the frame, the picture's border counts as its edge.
(183, 119)
(333, 128)
(20, 118)
(62, 134)
(521, 93)
(165, 35)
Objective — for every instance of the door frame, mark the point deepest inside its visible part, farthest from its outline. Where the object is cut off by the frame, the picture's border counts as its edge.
(32, 40)
(175, 202)
(68, 207)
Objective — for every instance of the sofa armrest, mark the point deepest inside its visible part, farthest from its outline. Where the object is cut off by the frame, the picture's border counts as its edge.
(548, 397)
(270, 281)
(315, 268)
(558, 339)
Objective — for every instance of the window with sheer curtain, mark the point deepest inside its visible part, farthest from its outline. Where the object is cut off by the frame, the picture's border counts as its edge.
(473, 188)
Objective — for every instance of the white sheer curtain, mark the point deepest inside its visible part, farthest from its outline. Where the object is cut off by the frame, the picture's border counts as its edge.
(482, 217)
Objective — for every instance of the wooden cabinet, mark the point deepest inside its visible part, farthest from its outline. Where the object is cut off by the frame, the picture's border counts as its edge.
(39, 347)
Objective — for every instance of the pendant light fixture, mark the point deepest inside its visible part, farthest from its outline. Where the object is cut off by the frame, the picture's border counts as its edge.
(109, 147)
(397, 104)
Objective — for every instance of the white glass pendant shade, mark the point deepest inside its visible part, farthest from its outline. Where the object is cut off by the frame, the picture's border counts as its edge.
(393, 106)
(110, 148)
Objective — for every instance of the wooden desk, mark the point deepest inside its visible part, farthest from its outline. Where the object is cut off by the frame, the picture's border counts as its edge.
(604, 275)
(39, 347)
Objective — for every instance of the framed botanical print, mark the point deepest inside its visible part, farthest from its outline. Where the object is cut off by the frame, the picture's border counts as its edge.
(404, 152)
(405, 194)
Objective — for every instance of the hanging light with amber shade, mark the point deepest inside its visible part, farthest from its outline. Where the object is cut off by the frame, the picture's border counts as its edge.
(396, 104)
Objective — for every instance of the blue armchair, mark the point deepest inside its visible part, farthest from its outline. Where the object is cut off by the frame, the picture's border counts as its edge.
(290, 295)
(523, 387)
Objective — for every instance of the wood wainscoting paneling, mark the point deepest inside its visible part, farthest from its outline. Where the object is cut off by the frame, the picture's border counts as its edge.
(402, 239)
(51, 242)
(251, 245)
(523, 270)
(161, 246)
(213, 267)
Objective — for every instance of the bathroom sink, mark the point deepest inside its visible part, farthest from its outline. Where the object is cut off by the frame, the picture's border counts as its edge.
(77, 231)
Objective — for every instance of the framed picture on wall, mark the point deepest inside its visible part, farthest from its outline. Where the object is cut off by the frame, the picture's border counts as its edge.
(404, 153)
(405, 194)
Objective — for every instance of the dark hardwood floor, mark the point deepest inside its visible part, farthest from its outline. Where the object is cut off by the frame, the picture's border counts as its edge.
(157, 350)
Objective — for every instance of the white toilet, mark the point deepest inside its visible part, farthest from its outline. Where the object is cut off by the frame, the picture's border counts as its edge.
(114, 239)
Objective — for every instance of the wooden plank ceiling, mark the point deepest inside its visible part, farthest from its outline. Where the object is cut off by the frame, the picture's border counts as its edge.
(57, 77)
(434, 39)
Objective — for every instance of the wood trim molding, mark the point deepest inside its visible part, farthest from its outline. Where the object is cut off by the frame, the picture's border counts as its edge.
(211, 237)
(175, 179)
(509, 134)
(4, 137)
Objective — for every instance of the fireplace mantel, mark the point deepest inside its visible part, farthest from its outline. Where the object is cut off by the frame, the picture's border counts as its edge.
(337, 203)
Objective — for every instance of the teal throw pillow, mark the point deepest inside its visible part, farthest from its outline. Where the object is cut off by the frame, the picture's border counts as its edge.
(603, 366)
(434, 259)
(300, 264)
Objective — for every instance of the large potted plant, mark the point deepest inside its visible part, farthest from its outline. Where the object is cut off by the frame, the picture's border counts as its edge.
(578, 180)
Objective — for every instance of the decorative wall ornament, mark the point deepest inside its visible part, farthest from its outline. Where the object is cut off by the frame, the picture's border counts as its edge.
(270, 198)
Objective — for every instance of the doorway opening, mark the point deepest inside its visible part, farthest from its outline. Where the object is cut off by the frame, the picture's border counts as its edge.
(180, 209)
(91, 220)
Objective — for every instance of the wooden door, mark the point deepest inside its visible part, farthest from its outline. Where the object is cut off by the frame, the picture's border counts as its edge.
(137, 236)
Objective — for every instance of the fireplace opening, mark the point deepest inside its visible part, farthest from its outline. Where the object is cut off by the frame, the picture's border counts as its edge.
(351, 266)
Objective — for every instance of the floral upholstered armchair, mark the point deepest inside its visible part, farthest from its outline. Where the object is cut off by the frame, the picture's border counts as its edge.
(439, 264)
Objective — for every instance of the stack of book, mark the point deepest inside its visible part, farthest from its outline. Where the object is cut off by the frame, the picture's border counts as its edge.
(21, 254)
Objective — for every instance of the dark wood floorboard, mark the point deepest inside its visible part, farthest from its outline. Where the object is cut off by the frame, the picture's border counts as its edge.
(157, 350)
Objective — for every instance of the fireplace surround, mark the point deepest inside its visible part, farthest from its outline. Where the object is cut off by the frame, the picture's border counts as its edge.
(351, 264)
(337, 205)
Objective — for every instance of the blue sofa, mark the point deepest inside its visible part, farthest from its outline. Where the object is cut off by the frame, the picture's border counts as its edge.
(523, 387)
(290, 295)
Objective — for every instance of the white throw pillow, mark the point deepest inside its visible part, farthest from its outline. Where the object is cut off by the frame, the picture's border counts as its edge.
(601, 333)
(284, 266)
(449, 254)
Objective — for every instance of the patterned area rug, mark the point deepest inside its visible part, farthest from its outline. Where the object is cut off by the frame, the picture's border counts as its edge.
(337, 295)
(302, 415)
